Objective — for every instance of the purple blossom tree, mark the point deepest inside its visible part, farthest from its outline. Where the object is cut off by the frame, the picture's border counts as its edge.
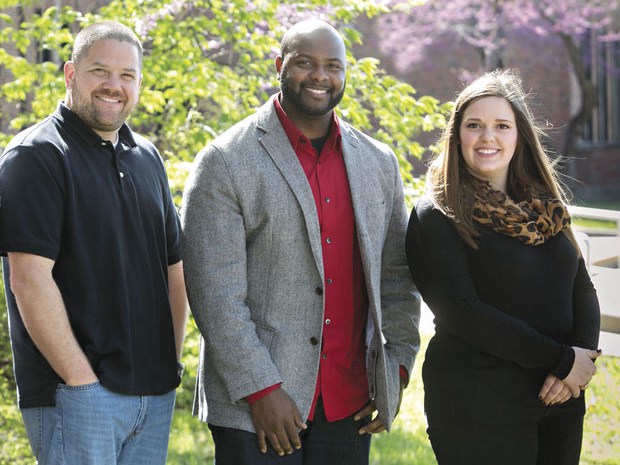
(486, 25)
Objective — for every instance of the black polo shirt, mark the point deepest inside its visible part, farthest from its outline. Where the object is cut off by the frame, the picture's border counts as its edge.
(106, 217)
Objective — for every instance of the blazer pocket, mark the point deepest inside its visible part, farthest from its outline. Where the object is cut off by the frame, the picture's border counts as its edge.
(266, 335)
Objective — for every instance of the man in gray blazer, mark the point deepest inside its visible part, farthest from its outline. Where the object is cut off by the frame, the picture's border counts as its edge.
(294, 230)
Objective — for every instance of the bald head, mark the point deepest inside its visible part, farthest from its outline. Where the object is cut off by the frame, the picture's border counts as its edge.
(313, 31)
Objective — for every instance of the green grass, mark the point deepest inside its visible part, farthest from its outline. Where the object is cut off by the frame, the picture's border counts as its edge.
(407, 443)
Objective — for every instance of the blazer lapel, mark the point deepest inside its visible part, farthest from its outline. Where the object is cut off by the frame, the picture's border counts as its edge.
(278, 147)
(356, 173)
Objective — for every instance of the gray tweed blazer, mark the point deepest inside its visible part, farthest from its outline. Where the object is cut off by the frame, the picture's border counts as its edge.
(254, 269)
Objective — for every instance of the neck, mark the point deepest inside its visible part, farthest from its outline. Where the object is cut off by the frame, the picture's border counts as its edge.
(312, 127)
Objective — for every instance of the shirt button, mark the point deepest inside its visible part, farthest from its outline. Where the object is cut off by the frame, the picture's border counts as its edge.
(327, 200)
(103, 144)
(122, 174)
(324, 356)
(319, 291)
(328, 321)
(329, 280)
(314, 341)
(328, 240)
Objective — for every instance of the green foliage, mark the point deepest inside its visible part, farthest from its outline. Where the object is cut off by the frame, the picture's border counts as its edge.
(207, 65)
(14, 449)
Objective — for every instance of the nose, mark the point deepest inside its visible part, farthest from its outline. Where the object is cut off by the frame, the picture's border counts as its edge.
(112, 81)
(319, 73)
(487, 134)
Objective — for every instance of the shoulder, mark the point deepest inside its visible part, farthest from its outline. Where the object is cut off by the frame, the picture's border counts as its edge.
(428, 214)
(249, 129)
(35, 138)
(372, 145)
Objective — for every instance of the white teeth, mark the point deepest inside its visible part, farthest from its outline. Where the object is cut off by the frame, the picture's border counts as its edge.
(316, 91)
(109, 100)
(487, 151)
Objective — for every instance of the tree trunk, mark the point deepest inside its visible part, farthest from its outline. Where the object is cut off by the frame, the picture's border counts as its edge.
(588, 95)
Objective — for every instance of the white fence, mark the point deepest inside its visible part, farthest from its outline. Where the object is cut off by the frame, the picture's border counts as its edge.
(601, 249)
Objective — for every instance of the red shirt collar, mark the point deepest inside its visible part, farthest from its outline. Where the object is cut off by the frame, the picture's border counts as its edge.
(295, 135)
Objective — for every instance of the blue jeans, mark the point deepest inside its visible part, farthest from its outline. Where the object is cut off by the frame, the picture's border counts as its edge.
(91, 425)
(323, 443)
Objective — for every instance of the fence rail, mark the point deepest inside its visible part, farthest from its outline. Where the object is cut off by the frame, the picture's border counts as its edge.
(601, 250)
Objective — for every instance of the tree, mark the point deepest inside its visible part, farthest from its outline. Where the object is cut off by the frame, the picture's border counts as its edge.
(484, 24)
(208, 64)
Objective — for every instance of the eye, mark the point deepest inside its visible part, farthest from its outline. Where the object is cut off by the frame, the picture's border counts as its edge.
(503, 126)
(128, 77)
(99, 72)
(335, 66)
(472, 125)
(303, 63)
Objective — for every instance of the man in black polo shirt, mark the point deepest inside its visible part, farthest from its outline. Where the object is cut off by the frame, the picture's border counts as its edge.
(92, 268)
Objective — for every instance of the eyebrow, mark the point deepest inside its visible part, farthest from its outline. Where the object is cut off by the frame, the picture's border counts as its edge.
(310, 57)
(496, 119)
(103, 65)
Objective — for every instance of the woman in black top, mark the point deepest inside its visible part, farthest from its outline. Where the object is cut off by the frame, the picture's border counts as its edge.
(516, 316)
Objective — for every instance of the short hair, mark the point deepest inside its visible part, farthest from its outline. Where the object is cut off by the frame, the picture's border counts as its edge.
(291, 38)
(102, 31)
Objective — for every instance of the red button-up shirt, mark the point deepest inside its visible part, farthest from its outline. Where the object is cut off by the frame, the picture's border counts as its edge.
(341, 382)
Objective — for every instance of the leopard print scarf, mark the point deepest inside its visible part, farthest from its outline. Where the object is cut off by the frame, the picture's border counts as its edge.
(532, 221)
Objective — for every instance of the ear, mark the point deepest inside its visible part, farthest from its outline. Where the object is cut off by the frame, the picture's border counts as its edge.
(69, 71)
(279, 62)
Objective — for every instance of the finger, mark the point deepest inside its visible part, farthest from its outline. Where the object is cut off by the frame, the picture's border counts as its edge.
(299, 423)
(293, 436)
(262, 443)
(367, 410)
(285, 443)
(275, 443)
(546, 388)
(375, 426)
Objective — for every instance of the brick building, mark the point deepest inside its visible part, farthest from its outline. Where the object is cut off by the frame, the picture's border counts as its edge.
(545, 70)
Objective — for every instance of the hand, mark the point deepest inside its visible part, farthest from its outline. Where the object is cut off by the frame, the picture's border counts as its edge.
(375, 425)
(277, 419)
(554, 391)
(582, 371)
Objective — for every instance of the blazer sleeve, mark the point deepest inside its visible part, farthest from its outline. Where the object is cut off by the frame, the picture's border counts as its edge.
(400, 300)
(438, 259)
(214, 256)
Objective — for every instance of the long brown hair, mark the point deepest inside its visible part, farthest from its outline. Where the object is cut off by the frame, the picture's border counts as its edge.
(448, 178)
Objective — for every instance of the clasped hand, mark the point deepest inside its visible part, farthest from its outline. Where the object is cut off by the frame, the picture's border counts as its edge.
(556, 391)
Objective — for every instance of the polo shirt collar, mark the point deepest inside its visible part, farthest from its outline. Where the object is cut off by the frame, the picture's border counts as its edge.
(73, 121)
(295, 136)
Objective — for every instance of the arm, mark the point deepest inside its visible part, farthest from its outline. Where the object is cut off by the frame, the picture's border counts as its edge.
(586, 328)
(45, 317)
(400, 301)
(215, 258)
(178, 304)
(586, 311)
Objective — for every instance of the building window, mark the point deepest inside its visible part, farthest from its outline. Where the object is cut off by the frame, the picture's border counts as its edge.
(602, 60)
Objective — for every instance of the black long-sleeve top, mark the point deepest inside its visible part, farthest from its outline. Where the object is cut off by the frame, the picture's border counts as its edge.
(522, 304)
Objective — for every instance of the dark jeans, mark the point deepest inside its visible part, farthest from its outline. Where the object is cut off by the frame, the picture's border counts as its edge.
(323, 443)
(493, 416)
